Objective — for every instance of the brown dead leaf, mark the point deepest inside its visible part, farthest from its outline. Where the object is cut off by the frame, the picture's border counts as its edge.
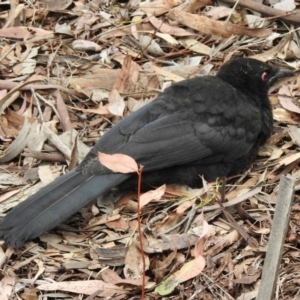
(194, 5)
(63, 112)
(166, 28)
(167, 74)
(103, 110)
(84, 287)
(121, 224)
(227, 240)
(7, 195)
(111, 276)
(172, 241)
(285, 99)
(289, 159)
(245, 188)
(116, 103)
(273, 51)
(103, 219)
(169, 221)
(189, 270)
(248, 279)
(203, 230)
(176, 190)
(218, 12)
(46, 174)
(128, 77)
(6, 287)
(164, 266)
(134, 263)
(28, 133)
(148, 44)
(14, 32)
(212, 27)
(284, 116)
(195, 45)
(159, 7)
(29, 294)
(56, 5)
(83, 45)
(5, 102)
(294, 133)
(152, 195)
(119, 163)
(86, 18)
(276, 153)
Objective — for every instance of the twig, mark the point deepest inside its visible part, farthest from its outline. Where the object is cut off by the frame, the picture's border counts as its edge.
(179, 223)
(9, 85)
(158, 217)
(252, 242)
(140, 233)
(55, 140)
(49, 104)
(191, 215)
(237, 200)
(37, 103)
(54, 157)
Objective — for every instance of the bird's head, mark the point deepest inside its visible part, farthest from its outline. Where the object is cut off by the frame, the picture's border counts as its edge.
(252, 76)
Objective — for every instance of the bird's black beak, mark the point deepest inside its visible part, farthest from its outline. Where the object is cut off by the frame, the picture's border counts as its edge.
(279, 75)
(284, 73)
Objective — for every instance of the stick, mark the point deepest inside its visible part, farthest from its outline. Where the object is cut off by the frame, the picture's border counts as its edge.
(277, 237)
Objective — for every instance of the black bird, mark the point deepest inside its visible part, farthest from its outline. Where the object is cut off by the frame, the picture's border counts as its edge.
(210, 126)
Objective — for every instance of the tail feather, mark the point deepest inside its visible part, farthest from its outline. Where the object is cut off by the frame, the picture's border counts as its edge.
(53, 204)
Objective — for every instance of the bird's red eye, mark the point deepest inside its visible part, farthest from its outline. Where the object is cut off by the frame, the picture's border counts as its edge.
(264, 76)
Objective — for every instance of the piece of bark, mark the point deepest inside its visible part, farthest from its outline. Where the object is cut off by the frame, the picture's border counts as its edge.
(277, 238)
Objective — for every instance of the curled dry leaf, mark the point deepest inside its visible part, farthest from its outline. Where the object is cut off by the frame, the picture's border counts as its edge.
(27, 134)
(111, 276)
(102, 110)
(203, 230)
(159, 7)
(25, 67)
(116, 104)
(172, 241)
(87, 287)
(133, 262)
(166, 28)
(119, 163)
(153, 195)
(148, 44)
(7, 287)
(83, 45)
(284, 116)
(189, 270)
(219, 12)
(285, 99)
(128, 77)
(195, 45)
(165, 73)
(208, 26)
(294, 133)
(289, 159)
(285, 5)
(56, 5)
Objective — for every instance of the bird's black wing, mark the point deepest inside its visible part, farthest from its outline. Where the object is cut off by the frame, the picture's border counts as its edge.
(186, 123)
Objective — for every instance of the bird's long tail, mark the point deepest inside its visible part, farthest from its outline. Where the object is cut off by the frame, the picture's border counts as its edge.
(53, 204)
